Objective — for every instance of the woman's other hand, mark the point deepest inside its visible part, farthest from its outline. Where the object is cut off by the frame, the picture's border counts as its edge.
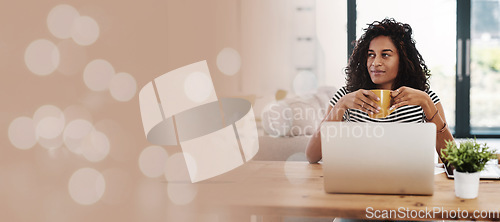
(409, 96)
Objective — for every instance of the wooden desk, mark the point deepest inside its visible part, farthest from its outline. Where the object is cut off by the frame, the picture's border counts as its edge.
(296, 189)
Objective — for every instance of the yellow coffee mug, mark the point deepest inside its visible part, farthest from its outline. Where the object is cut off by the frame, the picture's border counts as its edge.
(384, 103)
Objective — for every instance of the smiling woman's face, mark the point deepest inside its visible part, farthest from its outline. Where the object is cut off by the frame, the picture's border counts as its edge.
(382, 62)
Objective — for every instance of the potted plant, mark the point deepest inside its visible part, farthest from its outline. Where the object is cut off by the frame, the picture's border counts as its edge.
(468, 159)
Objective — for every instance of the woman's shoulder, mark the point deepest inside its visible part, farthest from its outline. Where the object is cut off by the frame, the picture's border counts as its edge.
(434, 97)
(342, 90)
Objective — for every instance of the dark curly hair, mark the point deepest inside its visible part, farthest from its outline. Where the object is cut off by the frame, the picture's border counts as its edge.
(412, 71)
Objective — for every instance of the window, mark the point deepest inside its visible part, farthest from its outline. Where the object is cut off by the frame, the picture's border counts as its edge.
(485, 67)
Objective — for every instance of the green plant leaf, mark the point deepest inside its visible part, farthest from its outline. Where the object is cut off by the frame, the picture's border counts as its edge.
(470, 156)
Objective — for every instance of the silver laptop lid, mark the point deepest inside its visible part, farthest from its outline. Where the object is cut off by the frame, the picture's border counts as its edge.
(388, 158)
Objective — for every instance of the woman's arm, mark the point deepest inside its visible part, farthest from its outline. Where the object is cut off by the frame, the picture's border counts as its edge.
(433, 112)
(361, 99)
(443, 133)
(313, 149)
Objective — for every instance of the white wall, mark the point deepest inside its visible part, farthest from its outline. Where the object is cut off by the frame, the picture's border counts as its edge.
(265, 34)
(331, 26)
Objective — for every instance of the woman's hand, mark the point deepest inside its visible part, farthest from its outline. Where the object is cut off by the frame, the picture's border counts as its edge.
(362, 100)
(409, 96)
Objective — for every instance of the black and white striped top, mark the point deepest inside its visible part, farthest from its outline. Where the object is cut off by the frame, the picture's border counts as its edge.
(404, 114)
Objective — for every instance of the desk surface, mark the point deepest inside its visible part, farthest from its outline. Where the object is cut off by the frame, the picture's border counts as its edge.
(296, 189)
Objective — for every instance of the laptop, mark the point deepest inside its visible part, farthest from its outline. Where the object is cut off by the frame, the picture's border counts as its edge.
(378, 158)
(490, 172)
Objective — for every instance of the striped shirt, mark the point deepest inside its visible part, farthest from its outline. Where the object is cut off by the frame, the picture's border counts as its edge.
(404, 114)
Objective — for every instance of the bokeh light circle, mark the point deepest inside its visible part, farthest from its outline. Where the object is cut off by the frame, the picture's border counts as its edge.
(86, 186)
(229, 61)
(98, 74)
(85, 30)
(75, 133)
(123, 87)
(51, 143)
(22, 133)
(49, 122)
(49, 127)
(42, 57)
(198, 87)
(47, 111)
(304, 82)
(181, 193)
(152, 161)
(95, 146)
(60, 20)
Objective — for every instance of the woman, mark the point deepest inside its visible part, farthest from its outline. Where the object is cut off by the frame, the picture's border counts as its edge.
(385, 57)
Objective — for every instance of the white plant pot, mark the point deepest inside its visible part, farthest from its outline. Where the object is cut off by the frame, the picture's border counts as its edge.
(466, 184)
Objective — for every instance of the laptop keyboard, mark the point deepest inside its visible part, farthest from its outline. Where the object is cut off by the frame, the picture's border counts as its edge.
(491, 171)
